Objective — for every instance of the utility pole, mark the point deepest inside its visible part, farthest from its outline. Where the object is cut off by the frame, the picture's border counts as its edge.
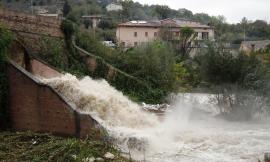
(245, 32)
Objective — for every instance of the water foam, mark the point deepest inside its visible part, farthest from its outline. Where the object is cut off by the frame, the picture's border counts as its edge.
(102, 101)
(183, 134)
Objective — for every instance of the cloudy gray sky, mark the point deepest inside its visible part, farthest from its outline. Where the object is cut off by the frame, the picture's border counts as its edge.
(233, 10)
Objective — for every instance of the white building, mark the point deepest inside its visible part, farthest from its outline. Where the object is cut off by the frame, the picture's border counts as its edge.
(114, 7)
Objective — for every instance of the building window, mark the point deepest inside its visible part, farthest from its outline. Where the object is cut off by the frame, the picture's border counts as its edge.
(177, 34)
(135, 34)
(146, 34)
(205, 35)
(155, 34)
(123, 44)
(135, 43)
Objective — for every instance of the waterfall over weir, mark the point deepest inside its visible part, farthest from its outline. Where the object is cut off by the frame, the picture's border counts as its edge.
(185, 133)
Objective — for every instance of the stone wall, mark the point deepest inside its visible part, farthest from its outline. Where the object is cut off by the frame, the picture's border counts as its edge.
(26, 23)
(37, 107)
(31, 29)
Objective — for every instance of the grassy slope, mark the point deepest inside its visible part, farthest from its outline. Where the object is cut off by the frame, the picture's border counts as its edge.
(28, 146)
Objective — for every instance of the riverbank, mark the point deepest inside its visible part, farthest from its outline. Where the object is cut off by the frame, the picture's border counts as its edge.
(29, 146)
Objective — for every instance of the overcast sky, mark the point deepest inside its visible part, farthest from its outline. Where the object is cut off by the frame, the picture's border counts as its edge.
(233, 10)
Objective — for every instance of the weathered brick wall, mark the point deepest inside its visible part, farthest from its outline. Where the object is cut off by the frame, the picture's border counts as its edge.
(22, 22)
(37, 107)
(30, 29)
(39, 68)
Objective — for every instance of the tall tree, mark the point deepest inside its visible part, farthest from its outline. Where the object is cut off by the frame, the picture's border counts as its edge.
(66, 8)
(163, 11)
(187, 36)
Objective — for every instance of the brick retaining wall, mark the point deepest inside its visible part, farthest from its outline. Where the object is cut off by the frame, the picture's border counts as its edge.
(37, 107)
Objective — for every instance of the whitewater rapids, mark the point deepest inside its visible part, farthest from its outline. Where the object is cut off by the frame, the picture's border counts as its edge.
(186, 133)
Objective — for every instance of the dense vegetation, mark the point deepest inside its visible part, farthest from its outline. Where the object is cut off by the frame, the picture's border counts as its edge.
(253, 30)
(5, 40)
(27, 146)
(218, 65)
(241, 82)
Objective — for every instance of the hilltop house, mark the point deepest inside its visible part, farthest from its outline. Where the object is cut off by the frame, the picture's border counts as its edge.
(114, 7)
(132, 33)
(254, 46)
(95, 19)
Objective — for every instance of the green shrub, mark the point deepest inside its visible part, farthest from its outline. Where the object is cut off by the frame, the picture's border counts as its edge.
(68, 28)
(53, 51)
(187, 75)
(153, 63)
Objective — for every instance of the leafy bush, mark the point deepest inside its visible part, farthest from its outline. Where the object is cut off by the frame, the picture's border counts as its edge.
(187, 75)
(153, 63)
(68, 27)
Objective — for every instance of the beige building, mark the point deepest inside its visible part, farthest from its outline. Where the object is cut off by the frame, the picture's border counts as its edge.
(132, 33)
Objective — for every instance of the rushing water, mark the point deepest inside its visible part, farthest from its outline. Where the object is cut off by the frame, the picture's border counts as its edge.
(187, 132)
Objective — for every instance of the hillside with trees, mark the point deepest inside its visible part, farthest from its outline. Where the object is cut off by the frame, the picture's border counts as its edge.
(233, 33)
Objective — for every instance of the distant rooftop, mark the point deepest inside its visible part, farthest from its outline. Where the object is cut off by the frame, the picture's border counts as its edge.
(142, 23)
(172, 22)
(256, 44)
(262, 42)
